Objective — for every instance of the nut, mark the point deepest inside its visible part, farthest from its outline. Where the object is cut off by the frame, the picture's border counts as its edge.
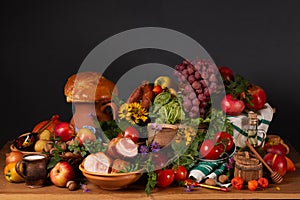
(63, 146)
(211, 181)
(223, 178)
(48, 146)
(68, 154)
(71, 185)
(52, 150)
(70, 142)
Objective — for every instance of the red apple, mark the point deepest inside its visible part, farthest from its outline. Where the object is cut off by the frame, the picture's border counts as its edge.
(232, 106)
(64, 130)
(61, 173)
(277, 149)
(84, 134)
(259, 97)
(277, 162)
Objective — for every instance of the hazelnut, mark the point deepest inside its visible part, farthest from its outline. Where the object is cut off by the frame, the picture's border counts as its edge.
(211, 181)
(48, 146)
(70, 142)
(52, 150)
(63, 146)
(71, 185)
(223, 178)
(68, 154)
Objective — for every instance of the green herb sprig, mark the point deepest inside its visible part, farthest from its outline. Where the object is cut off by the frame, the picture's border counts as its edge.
(151, 181)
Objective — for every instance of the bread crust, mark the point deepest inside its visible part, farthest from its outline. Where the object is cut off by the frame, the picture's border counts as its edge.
(89, 87)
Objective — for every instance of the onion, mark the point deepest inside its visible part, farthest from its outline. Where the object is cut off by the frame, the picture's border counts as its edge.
(13, 156)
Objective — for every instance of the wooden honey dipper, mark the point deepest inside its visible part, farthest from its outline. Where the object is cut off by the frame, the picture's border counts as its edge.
(275, 176)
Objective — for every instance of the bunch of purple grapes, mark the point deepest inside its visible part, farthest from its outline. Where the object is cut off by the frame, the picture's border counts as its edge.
(197, 81)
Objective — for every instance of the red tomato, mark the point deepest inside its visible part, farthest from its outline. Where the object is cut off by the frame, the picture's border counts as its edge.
(237, 183)
(180, 173)
(157, 89)
(211, 150)
(226, 73)
(132, 133)
(226, 139)
(252, 185)
(165, 177)
(263, 182)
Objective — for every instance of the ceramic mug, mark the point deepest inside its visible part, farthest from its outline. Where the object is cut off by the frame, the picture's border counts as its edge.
(33, 168)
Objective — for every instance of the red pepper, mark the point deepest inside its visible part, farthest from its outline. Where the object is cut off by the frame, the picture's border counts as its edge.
(237, 183)
(263, 182)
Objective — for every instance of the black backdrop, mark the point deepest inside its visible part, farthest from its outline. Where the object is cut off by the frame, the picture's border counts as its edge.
(44, 42)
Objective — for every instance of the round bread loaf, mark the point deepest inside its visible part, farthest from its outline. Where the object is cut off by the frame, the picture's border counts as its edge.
(89, 87)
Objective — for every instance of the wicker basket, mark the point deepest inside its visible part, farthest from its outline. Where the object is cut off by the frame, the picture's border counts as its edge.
(164, 135)
(247, 166)
(167, 132)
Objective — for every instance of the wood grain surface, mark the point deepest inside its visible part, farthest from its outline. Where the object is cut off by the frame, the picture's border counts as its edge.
(289, 189)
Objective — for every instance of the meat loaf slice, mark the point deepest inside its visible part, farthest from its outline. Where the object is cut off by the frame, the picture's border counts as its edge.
(97, 162)
(119, 166)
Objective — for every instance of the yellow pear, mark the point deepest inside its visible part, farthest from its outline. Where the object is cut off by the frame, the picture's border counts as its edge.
(45, 135)
(40, 145)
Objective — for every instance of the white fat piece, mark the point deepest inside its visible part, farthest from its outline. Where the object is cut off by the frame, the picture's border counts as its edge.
(128, 147)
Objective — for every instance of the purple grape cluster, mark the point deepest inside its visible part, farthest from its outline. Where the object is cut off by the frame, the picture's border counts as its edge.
(197, 80)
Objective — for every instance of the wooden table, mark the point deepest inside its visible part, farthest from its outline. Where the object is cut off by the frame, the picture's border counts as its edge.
(289, 189)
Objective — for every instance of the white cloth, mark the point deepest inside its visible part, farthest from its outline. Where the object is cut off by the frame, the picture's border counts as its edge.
(240, 124)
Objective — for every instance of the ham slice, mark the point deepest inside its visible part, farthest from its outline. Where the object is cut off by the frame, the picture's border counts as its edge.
(97, 162)
(122, 148)
(119, 166)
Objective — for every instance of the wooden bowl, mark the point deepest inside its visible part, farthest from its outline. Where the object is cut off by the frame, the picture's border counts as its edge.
(13, 148)
(109, 181)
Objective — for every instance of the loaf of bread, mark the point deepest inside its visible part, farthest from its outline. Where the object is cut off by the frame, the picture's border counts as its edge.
(89, 87)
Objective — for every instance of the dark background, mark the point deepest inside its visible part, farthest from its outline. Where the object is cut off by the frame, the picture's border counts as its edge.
(44, 42)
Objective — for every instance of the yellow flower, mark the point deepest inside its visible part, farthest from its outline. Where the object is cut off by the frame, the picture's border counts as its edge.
(133, 112)
(124, 111)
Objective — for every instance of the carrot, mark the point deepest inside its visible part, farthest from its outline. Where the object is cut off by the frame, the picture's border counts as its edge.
(290, 165)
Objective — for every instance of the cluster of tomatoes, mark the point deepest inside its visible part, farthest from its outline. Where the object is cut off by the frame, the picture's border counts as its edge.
(166, 177)
(214, 148)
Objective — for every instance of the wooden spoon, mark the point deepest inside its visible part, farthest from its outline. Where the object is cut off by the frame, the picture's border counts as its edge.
(275, 176)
